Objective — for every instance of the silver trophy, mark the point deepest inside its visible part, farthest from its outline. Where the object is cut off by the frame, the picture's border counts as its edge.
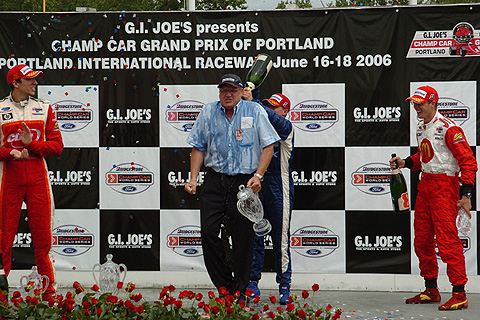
(109, 275)
(36, 280)
(250, 206)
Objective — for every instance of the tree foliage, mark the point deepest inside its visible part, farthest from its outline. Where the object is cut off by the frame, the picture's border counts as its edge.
(301, 4)
(221, 4)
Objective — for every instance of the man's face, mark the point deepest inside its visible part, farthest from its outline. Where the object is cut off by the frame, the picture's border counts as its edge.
(26, 87)
(279, 110)
(426, 110)
(230, 96)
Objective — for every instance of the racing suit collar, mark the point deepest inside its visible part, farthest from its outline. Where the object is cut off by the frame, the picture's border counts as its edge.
(20, 104)
(433, 121)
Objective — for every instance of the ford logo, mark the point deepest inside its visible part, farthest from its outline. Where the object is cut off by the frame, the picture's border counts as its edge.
(68, 126)
(376, 189)
(129, 189)
(6, 109)
(69, 250)
(188, 126)
(190, 251)
(313, 126)
(314, 252)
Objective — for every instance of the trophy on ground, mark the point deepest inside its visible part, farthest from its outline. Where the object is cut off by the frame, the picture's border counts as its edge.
(34, 280)
(109, 275)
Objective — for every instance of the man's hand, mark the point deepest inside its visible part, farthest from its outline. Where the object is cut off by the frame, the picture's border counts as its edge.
(191, 187)
(466, 204)
(255, 184)
(25, 134)
(397, 160)
(247, 94)
(19, 155)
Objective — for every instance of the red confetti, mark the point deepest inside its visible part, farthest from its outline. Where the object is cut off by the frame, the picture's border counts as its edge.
(74, 268)
(177, 95)
(66, 93)
(165, 89)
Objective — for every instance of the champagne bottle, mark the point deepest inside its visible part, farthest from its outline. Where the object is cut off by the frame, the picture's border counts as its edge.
(259, 71)
(398, 190)
(3, 277)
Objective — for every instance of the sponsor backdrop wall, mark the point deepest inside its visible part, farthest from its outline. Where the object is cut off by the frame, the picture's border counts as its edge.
(127, 87)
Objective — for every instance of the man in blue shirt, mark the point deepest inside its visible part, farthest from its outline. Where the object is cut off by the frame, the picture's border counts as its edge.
(234, 140)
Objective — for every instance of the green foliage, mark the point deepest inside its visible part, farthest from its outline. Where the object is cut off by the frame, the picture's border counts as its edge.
(301, 4)
(221, 4)
(366, 3)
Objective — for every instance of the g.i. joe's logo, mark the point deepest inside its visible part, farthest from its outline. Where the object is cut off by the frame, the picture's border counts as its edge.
(372, 178)
(129, 178)
(186, 241)
(314, 241)
(313, 115)
(182, 115)
(72, 115)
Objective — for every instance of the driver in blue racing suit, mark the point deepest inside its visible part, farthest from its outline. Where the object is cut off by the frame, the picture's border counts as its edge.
(277, 198)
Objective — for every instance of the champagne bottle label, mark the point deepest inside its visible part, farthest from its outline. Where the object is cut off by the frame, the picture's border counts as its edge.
(403, 203)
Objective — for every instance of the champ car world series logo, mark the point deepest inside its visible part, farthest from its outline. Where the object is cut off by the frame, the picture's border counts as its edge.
(186, 241)
(72, 115)
(372, 178)
(182, 115)
(454, 109)
(129, 178)
(314, 241)
(71, 240)
(313, 115)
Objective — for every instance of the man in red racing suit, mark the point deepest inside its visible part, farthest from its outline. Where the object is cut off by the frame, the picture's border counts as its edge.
(29, 132)
(443, 152)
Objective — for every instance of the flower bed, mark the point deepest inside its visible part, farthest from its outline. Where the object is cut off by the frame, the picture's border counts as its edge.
(93, 304)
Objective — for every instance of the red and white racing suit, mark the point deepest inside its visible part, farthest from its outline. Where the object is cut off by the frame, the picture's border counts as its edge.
(27, 180)
(443, 151)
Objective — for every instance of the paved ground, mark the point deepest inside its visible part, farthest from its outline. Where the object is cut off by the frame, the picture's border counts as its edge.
(370, 305)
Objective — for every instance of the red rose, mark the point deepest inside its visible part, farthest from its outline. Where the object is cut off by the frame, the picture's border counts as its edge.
(318, 313)
(112, 299)
(257, 299)
(211, 295)
(95, 288)
(178, 304)
(265, 307)
(130, 287)
(229, 311)
(271, 315)
(199, 296)
(99, 311)
(215, 310)
(279, 309)
(290, 307)
(119, 285)
(248, 292)
(255, 316)
(329, 306)
(301, 314)
(76, 284)
(305, 294)
(273, 299)
(315, 287)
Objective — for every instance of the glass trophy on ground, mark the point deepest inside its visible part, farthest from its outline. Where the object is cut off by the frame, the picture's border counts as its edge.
(250, 206)
(109, 275)
(35, 280)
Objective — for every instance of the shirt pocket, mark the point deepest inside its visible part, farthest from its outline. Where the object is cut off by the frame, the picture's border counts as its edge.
(247, 137)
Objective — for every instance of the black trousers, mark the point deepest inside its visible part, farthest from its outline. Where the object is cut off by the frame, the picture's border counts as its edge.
(218, 202)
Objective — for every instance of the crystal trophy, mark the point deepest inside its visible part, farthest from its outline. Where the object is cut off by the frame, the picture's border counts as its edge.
(250, 206)
(36, 280)
(109, 275)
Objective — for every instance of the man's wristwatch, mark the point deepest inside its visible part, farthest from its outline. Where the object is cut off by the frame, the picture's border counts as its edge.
(468, 195)
(259, 176)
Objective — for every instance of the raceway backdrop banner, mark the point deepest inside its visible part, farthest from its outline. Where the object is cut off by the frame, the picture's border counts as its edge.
(127, 87)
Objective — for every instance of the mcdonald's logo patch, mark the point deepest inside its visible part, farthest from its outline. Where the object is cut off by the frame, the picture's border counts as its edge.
(426, 150)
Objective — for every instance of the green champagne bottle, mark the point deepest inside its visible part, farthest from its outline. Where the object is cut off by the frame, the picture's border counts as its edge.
(259, 70)
(3, 277)
(398, 190)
